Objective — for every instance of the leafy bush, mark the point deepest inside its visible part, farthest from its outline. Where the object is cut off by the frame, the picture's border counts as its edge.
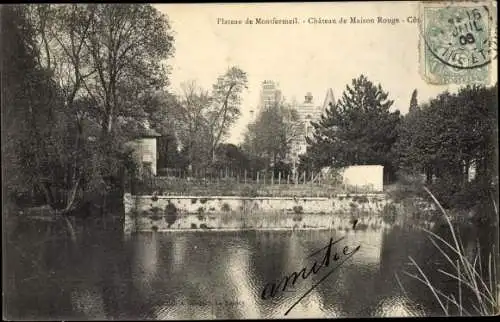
(170, 213)
(389, 213)
(225, 207)
(249, 192)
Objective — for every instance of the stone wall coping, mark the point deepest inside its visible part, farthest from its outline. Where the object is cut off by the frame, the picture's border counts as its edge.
(258, 198)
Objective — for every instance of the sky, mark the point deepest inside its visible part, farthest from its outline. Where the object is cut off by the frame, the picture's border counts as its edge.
(303, 57)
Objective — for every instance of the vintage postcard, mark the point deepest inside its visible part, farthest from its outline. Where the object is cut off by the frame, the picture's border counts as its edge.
(249, 160)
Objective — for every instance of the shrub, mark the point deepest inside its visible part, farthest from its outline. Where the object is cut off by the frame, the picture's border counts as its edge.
(249, 192)
(170, 213)
(155, 217)
(298, 209)
(225, 207)
(155, 210)
(389, 213)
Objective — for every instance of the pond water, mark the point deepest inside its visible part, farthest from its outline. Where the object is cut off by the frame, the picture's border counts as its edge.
(206, 275)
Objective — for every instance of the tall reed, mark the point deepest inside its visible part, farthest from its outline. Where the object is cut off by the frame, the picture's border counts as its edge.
(467, 273)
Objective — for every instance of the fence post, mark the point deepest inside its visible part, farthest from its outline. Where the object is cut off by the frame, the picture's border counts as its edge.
(288, 178)
(304, 176)
(279, 178)
(265, 177)
(226, 172)
(245, 176)
(257, 177)
(272, 178)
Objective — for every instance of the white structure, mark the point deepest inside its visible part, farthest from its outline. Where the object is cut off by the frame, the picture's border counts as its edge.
(368, 176)
(145, 151)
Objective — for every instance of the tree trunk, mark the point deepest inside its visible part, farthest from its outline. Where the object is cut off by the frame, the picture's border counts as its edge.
(428, 175)
(466, 172)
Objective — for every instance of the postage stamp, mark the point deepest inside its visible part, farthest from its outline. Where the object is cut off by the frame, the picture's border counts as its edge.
(457, 42)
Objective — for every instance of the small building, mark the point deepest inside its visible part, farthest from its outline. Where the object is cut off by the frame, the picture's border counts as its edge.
(370, 177)
(145, 153)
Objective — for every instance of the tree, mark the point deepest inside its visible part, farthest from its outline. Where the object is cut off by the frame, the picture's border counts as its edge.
(271, 135)
(203, 119)
(29, 101)
(128, 44)
(231, 157)
(192, 125)
(112, 53)
(451, 134)
(413, 102)
(90, 69)
(226, 101)
(358, 130)
(448, 138)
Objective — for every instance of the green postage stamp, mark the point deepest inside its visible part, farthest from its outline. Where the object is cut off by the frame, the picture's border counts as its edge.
(457, 42)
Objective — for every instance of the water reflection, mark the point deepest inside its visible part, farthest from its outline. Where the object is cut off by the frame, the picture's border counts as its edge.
(215, 275)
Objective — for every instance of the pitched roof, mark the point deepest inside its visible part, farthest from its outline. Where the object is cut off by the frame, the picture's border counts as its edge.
(329, 98)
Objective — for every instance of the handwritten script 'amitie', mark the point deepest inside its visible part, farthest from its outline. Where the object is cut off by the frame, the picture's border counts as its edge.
(271, 290)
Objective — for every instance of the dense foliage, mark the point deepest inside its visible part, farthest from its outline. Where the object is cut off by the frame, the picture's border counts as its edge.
(80, 80)
(202, 119)
(270, 137)
(358, 130)
(453, 140)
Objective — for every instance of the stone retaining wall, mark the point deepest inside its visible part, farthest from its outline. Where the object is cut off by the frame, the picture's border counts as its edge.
(165, 213)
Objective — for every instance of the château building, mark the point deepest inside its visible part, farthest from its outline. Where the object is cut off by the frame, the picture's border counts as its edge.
(270, 95)
(308, 111)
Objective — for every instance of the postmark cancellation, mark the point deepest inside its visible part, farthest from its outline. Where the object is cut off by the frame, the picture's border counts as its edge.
(457, 42)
